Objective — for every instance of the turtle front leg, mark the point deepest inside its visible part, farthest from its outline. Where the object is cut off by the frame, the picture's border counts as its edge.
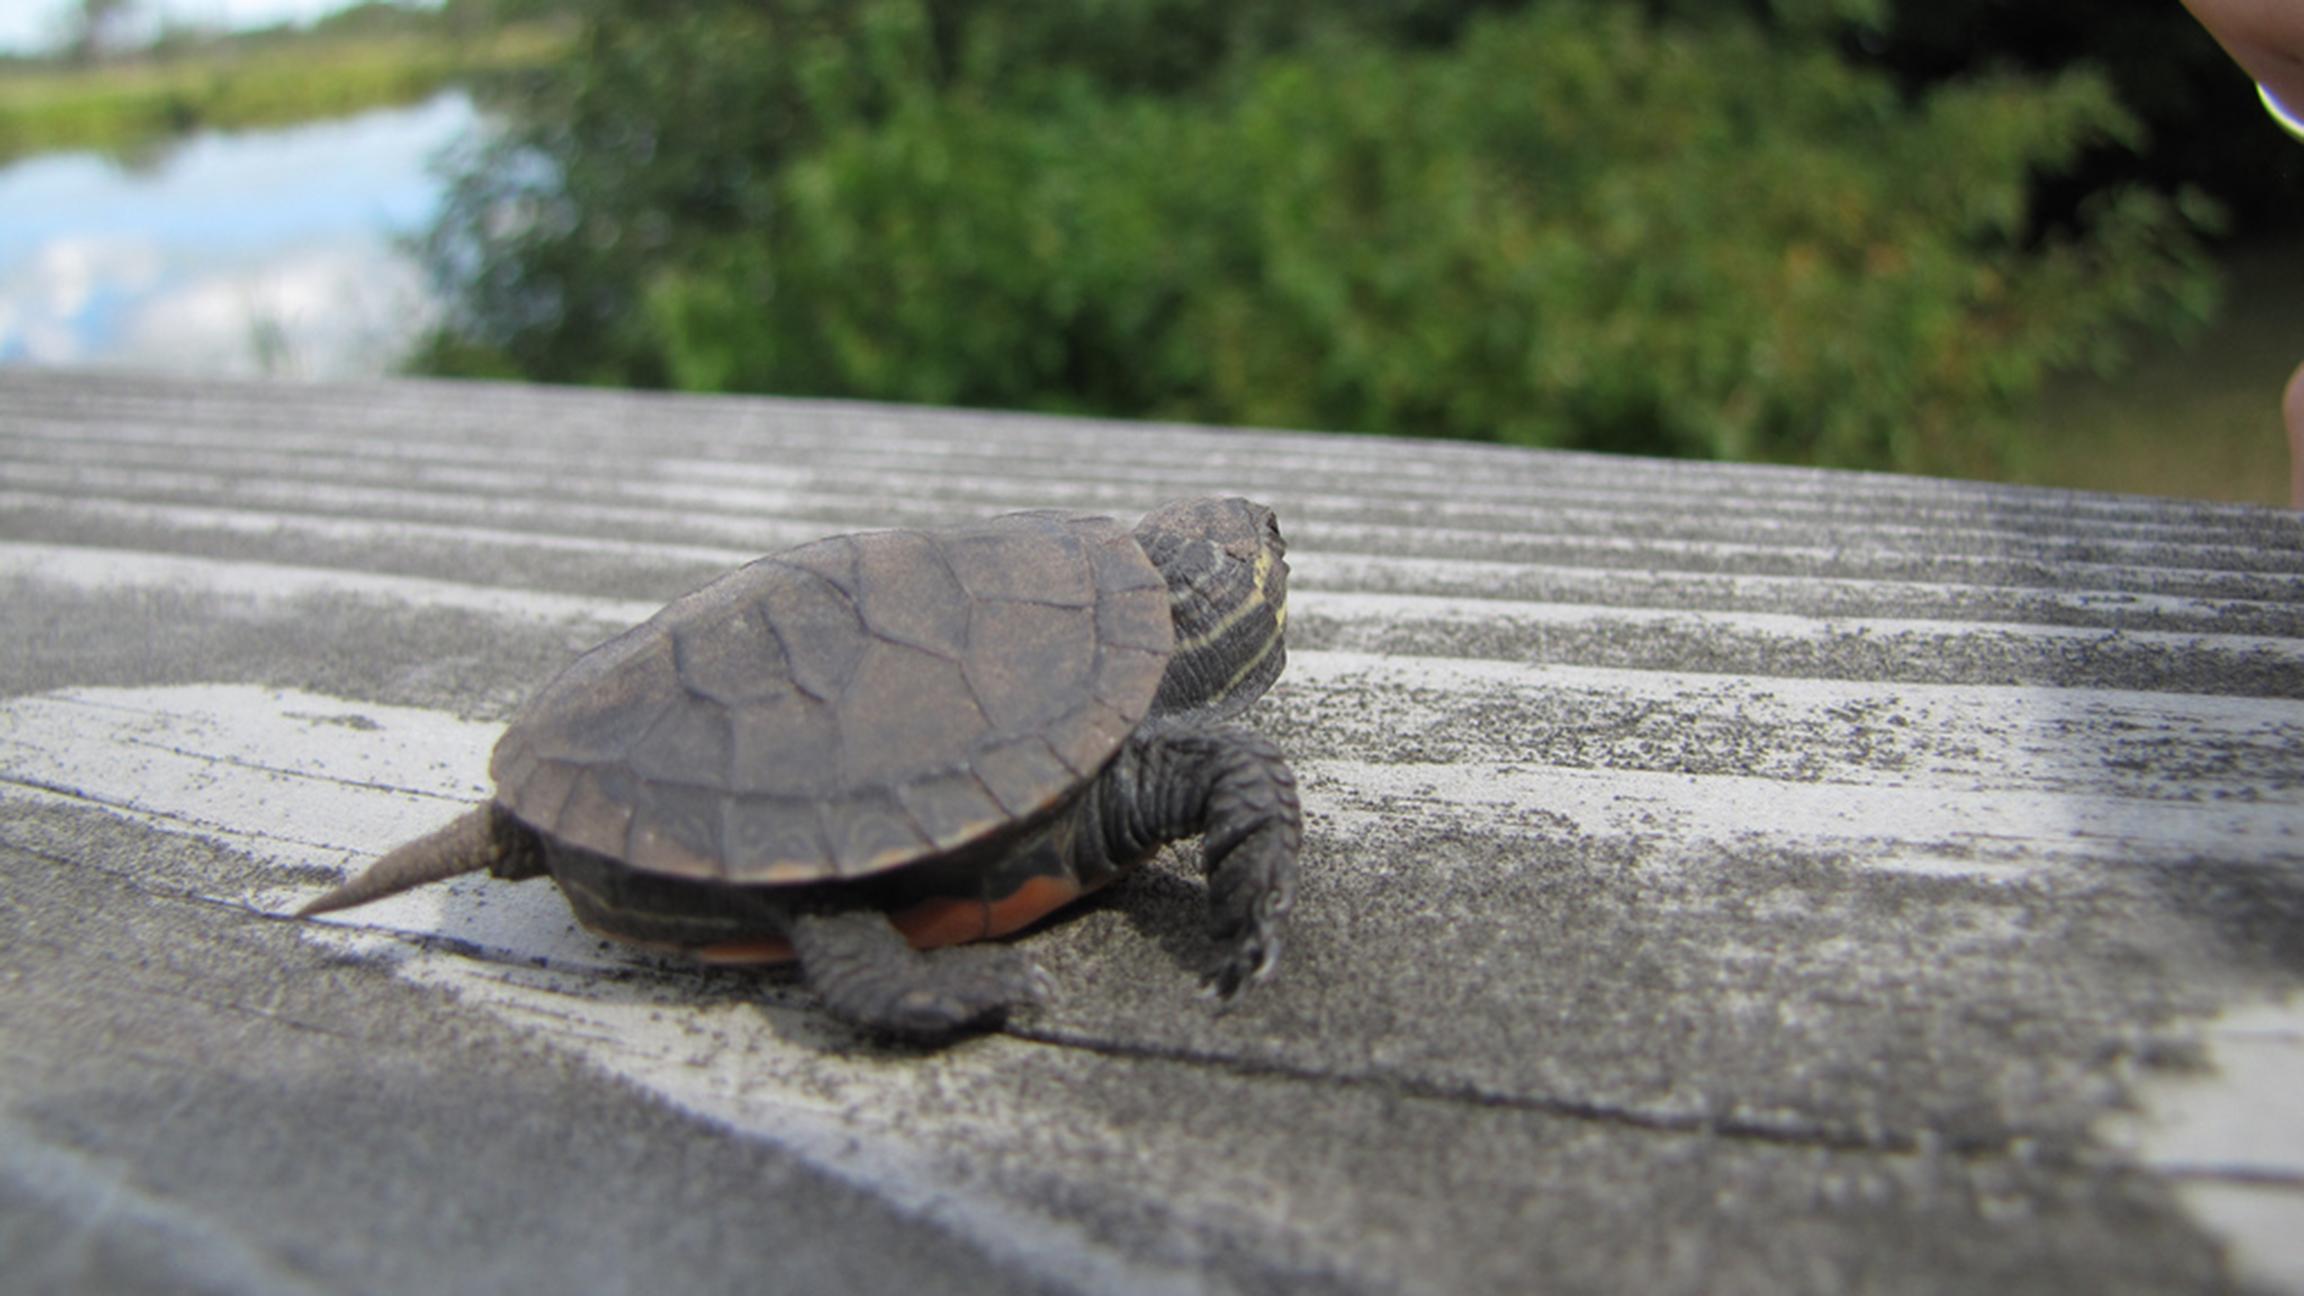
(1187, 775)
(865, 972)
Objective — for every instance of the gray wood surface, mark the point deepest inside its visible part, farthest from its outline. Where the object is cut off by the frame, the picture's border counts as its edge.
(1718, 879)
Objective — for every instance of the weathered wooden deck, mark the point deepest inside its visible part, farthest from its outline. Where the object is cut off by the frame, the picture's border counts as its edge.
(1719, 879)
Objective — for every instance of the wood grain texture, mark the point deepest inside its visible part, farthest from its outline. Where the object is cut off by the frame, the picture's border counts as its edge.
(1716, 878)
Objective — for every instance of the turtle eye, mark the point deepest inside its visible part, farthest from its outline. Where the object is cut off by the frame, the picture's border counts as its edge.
(1194, 570)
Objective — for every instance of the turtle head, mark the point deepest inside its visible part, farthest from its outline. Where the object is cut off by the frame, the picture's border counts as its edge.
(1227, 573)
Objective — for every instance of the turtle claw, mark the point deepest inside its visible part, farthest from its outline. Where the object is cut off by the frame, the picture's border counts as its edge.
(1043, 986)
(1249, 962)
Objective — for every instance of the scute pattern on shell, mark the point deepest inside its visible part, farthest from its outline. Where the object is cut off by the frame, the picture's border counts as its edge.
(849, 706)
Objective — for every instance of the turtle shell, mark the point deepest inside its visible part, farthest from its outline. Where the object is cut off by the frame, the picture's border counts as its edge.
(850, 706)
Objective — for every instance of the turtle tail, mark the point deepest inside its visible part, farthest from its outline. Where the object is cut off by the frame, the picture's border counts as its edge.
(467, 844)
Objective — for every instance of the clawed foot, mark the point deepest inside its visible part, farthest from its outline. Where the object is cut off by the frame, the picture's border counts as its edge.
(948, 991)
(1250, 891)
(866, 974)
(1249, 957)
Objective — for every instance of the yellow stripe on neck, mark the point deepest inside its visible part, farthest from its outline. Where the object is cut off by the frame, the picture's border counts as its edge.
(1239, 611)
(1246, 669)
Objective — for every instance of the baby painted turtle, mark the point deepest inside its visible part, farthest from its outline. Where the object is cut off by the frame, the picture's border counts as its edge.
(882, 744)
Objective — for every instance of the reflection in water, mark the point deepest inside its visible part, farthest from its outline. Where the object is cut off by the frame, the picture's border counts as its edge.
(258, 252)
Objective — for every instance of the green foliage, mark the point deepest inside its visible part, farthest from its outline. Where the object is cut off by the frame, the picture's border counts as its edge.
(2207, 129)
(1700, 233)
(259, 80)
(376, 17)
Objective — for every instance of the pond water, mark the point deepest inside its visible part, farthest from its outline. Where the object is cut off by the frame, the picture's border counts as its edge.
(270, 252)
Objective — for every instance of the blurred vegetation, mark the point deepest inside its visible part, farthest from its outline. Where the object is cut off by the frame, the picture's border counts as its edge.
(1859, 232)
(2206, 128)
(368, 56)
(2199, 421)
(1689, 227)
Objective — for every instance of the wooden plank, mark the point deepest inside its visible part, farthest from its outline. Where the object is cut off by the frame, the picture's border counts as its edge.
(1719, 878)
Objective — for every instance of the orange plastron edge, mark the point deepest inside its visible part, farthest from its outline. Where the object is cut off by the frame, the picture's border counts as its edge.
(931, 924)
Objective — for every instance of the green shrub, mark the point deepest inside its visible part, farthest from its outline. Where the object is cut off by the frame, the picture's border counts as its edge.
(1570, 225)
(259, 80)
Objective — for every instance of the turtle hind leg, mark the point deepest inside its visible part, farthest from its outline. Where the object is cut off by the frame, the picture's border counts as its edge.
(866, 974)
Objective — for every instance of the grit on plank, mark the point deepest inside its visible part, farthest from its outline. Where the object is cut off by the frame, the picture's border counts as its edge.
(275, 587)
(2079, 742)
(1427, 710)
(709, 534)
(1744, 524)
(463, 490)
(804, 441)
(1718, 878)
(229, 762)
